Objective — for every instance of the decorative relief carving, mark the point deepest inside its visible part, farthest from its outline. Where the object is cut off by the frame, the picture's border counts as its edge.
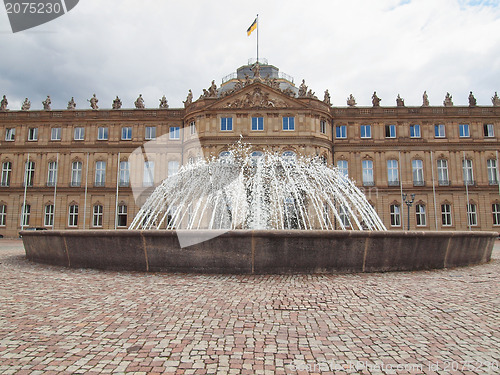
(256, 99)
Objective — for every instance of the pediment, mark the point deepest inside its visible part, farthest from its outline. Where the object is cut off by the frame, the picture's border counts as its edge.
(257, 96)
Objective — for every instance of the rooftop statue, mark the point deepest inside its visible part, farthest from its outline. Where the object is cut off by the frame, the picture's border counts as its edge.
(256, 70)
(327, 99)
(375, 100)
(302, 89)
(139, 102)
(117, 103)
(163, 102)
(400, 102)
(351, 101)
(212, 90)
(71, 103)
(26, 105)
(311, 94)
(46, 103)
(93, 102)
(472, 100)
(495, 100)
(448, 100)
(425, 100)
(3, 104)
(189, 98)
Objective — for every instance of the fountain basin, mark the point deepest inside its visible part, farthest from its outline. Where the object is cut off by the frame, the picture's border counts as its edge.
(260, 251)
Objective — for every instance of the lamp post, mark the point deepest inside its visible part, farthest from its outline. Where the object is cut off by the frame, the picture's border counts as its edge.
(409, 203)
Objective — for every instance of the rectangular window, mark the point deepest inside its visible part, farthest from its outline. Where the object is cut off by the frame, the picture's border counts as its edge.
(368, 173)
(495, 210)
(341, 131)
(29, 173)
(52, 174)
(322, 127)
(288, 123)
(73, 216)
(122, 216)
(49, 216)
(344, 216)
(468, 171)
(491, 165)
(10, 134)
(415, 131)
(173, 167)
(102, 133)
(390, 131)
(33, 134)
(97, 217)
(25, 215)
(100, 173)
(442, 167)
(6, 172)
(226, 124)
(79, 134)
(257, 123)
(3, 215)
(366, 131)
(76, 173)
(175, 132)
(439, 131)
(395, 215)
(418, 172)
(150, 133)
(464, 130)
(489, 130)
(420, 215)
(192, 128)
(149, 173)
(55, 134)
(446, 215)
(392, 172)
(343, 167)
(126, 133)
(124, 173)
(472, 215)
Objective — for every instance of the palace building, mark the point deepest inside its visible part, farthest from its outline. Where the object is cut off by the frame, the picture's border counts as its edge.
(436, 166)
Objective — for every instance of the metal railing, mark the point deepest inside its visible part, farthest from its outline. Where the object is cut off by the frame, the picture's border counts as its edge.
(418, 183)
(393, 183)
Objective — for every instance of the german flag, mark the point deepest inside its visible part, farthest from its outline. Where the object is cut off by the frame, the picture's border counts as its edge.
(252, 27)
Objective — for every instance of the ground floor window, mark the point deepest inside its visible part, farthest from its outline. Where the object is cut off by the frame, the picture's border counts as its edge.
(122, 216)
(395, 215)
(73, 216)
(472, 214)
(97, 219)
(495, 209)
(49, 215)
(420, 215)
(446, 215)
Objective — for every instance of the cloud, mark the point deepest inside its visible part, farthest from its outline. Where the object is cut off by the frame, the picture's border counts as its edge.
(155, 48)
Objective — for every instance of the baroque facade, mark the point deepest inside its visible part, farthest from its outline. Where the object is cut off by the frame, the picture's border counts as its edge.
(90, 169)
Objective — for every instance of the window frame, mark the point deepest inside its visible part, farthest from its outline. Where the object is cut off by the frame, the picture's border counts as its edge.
(491, 167)
(48, 217)
(257, 124)
(174, 133)
(341, 131)
(395, 215)
(413, 133)
(126, 133)
(79, 133)
(10, 134)
(288, 123)
(343, 170)
(150, 133)
(6, 174)
(463, 130)
(29, 173)
(3, 215)
(468, 171)
(418, 172)
(148, 177)
(390, 131)
(102, 133)
(446, 217)
(472, 215)
(443, 170)
(226, 124)
(363, 131)
(73, 216)
(124, 173)
(192, 127)
(55, 134)
(25, 215)
(122, 213)
(367, 171)
(420, 215)
(76, 172)
(489, 130)
(437, 131)
(322, 126)
(100, 173)
(32, 134)
(97, 217)
(52, 173)
(495, 211)
(390, 172)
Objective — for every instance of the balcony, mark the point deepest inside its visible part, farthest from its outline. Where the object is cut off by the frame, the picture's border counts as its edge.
(99, 184)
(470, 183)
(75, 184)
(418, 183)
(444, 182)
(493, 182)
(368, 183)
(393, 183)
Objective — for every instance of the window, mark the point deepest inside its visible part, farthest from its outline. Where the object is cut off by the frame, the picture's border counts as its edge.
(149, 173)
(344, 216)
(442, 167)
(224, 156)
(10, 134)
(392, 172)
(52, 175)
(102, 133)
(226, 124)
(395, 215)
(150, 132)
(366, 131)
(76, 173)
(3, 215)
(415, 131)
(122, 216)
(289, 157)
(126, 133)
(49, 216)
(32, 134)
(124, 173)
(468, 172)
(464, 130)
(100, 173)
(288, 123)
(390, 131)
(343, 167)
(55, 134)
(175, 132)
(491, 164)
(418, 172)
(322, 127)
(420, 215)
(495, 210)
(73, 215)
(97, 217)
(79, 134)
(173, 167)
(446, 215)
(368, 173)
(489, 130)
(256, 157)
(192, 128)
(29, 173)
(341, 131)
(471, 214)
(439, 131)
(257, 123)
(6, 171)
(25, 215)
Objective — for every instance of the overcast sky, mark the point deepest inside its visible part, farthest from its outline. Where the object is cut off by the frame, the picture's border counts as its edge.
(162, 47)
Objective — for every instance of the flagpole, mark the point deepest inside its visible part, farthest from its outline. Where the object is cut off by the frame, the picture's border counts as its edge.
(257, 38)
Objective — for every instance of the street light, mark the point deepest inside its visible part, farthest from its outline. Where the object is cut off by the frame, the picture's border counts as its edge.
(409, 203)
